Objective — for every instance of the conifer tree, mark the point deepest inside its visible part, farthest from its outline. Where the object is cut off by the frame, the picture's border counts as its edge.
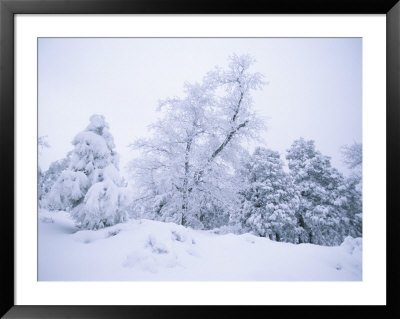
(269, 199)
(91, 188)
(323, 194)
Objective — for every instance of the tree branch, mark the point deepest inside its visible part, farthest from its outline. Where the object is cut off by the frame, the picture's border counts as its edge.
(200, 173)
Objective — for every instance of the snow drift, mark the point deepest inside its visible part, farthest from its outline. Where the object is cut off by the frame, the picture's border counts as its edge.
(145, 250)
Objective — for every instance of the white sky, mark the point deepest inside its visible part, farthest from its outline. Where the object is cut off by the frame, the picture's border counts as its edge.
(314, 90)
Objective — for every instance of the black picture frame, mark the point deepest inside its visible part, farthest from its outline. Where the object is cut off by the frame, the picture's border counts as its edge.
(8, 8)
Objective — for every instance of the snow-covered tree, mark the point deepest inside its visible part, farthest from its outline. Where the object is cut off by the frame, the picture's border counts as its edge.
(42, 144)
(185, 173)
(269, 199)
(68, 191)
(352, 157)
(323, 194)
(352, 208)
(91, 188)
(49, 177)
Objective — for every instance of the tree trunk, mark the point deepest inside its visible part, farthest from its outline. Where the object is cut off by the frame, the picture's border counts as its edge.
(185, 195)
(229, 137)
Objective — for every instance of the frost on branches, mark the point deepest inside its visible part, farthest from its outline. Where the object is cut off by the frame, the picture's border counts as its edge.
(42, 144)
(186, 170)
(49, 177)
(352, 157)
(91, 188)
(326, 201)
(194, 170)
(269, 199)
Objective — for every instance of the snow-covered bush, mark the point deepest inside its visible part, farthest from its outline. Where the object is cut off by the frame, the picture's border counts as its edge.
(269, 199)
(91, 188)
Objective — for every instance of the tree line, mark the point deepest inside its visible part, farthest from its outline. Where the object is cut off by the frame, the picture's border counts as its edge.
(194, 170)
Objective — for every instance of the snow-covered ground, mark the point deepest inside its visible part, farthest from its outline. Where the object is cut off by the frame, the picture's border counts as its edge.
(150, 250)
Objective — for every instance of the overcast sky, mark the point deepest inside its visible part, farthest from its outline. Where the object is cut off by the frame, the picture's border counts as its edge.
(314, 87)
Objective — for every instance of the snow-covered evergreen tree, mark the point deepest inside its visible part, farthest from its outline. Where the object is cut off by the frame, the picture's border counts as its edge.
(269, 199)
(352, 208)
(185, 173)
(91, 188)
(323, 198)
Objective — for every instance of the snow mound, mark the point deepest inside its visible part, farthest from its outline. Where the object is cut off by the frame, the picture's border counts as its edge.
(155, 251)
(165, 248)
(352, 245)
